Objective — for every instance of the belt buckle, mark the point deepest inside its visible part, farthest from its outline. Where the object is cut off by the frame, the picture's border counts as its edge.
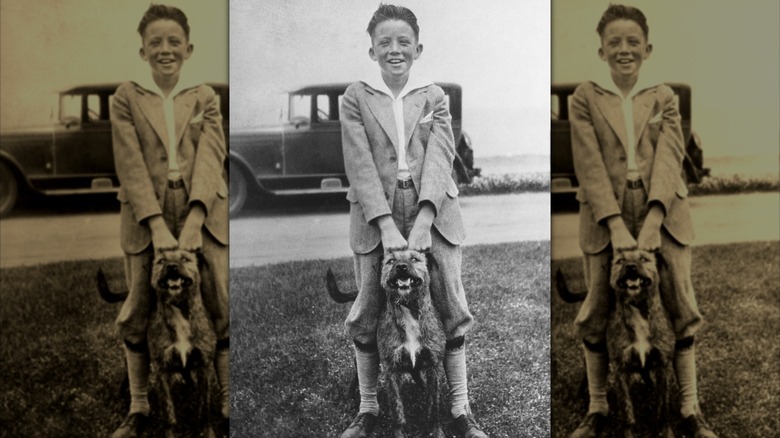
(634, 183)
(175, 184)
(405, 184)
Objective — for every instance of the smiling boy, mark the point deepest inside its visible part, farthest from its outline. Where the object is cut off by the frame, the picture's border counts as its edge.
(628, 150)
(398, 153)
(169, 151)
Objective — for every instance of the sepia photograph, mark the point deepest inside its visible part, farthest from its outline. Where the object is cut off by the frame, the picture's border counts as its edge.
(114, 219)
(665, 152)
(389, 175)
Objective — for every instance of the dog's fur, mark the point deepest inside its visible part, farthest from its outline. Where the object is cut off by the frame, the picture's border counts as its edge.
(640, 341)
(410, 336)
(181, 342)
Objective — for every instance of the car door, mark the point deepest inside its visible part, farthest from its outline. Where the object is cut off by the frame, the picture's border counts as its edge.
(313, 146)
(83, 147)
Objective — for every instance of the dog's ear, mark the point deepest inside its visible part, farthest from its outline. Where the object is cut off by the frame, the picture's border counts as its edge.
(378, 266)
(660, 262)
(430, 261)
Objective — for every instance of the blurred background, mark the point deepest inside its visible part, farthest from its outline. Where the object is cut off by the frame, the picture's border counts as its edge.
(497, 51)
(728, 52)
(49, 45)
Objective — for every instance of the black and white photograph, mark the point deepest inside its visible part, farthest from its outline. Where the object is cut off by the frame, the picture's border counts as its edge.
(114, 229)
(665, 323)
(378, 289)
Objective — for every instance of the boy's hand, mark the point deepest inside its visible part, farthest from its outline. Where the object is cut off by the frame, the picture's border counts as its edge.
(619, 235)
(420, 236)
(650, 235)
(191, 238)
(392, 240)
(162, 238)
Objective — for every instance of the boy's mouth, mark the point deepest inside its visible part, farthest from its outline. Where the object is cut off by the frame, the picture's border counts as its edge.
(395, 61)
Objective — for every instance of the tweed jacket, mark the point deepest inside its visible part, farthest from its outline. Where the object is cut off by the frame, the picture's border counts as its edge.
(599, 143)
(140, 143)
(370, 147)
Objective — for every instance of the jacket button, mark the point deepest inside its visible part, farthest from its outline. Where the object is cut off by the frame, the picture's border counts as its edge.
(163, 158)
(392, 159)
(622, 158)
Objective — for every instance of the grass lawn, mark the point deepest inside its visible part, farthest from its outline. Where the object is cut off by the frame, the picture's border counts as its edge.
(738, 353)
(291, 361)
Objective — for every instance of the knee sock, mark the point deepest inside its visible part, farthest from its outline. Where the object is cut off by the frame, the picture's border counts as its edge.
(455, 368)
(367, 361)
(597, 368)
(137, 356)
(222, 367)
(685, 369)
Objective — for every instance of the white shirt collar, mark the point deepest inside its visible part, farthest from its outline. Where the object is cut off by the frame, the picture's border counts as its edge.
(606, 82)
(185, 82)
(414, 82)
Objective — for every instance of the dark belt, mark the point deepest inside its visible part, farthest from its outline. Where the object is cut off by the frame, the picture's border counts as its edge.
(405, 184)
(634, 183)
(175, 184)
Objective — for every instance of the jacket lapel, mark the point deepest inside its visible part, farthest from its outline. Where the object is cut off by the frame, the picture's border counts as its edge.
(151, 107)
(610, 107)
(413, 106)
(643, 105)
(183, 105)
(382, 109)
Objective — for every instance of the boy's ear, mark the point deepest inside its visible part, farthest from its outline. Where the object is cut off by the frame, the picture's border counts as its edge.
(648, 50)
(418, 51)
(190, 48)
(371, 54)
(602, 55)
(142, 54)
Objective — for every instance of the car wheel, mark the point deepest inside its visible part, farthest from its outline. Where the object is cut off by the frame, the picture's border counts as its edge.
(239, 190)
(9, 189)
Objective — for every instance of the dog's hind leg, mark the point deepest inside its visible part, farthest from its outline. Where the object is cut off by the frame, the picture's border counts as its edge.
(393, 380)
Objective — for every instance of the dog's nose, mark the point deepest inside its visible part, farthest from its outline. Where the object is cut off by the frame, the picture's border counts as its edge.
(401, 267)
(173, 268)
(631, 269)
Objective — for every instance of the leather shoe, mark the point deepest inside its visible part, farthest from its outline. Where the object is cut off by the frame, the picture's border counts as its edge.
(132, 426)
(467, 427)
(696, 426)
(591, 426)
(361, 426)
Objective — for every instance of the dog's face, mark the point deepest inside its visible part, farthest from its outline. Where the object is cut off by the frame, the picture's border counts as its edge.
(634, 273)
(405, 275)
(173, 273)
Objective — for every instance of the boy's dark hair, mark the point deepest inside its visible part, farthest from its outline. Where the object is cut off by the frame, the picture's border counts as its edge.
(392, 12)
(622, 12)
(163, 12)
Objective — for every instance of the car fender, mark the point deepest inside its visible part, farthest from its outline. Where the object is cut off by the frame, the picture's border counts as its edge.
(17, 170)
(240, 164)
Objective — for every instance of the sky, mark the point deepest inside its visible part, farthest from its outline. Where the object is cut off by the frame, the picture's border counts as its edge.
(728, 52)
(49, 45)
(498, 51)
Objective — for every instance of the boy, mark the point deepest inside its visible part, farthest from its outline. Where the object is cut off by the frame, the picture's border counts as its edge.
(628, 151)
(169, 151)
(398, 153)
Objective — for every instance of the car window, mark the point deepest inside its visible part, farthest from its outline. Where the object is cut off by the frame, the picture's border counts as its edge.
(323, 108)
(93, 108)
(300, 107)
(70, 108)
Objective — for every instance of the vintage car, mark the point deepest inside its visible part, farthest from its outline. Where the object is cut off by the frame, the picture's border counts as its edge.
(73, 156)
(562, 175)
(304, 155)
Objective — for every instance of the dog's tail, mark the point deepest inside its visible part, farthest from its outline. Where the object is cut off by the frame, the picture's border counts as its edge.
(105, 291)
(334, 292)
(563, 289)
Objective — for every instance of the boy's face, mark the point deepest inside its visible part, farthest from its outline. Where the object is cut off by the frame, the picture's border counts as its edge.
(624, 47)
(395, 48)
(165, 48)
